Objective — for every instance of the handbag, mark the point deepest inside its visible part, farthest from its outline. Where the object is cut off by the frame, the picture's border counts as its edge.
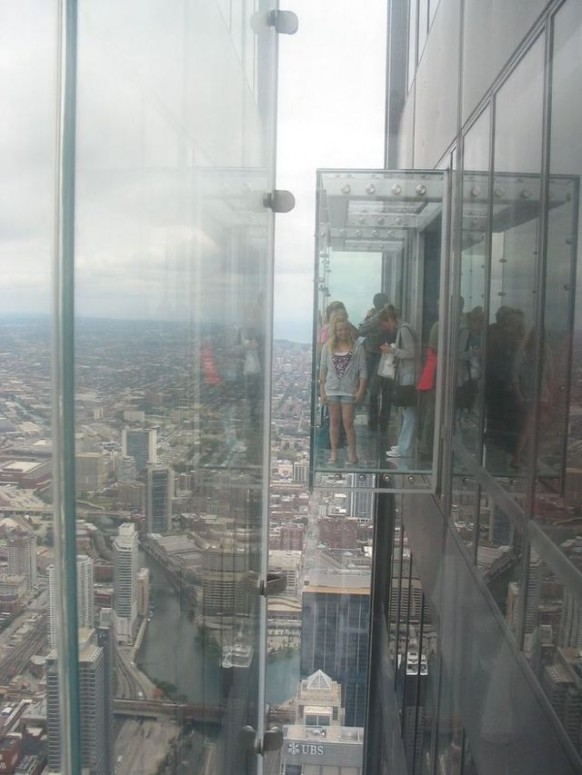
(465, 394)
(386, 366)
(402, 395)
(427, 379)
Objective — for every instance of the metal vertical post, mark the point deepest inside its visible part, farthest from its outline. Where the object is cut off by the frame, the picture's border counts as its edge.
(63, 404)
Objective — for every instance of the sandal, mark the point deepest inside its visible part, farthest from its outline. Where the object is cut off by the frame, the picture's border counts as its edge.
(332, 461)
(353, 461)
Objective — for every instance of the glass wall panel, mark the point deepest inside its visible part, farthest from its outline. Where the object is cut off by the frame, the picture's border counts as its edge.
(465, 508)
(28, 95)
(172, 352)
(500, 553)
(412, 40)
(413, 646)
(552, 637)
(514, 250)
(556, 425)
(474, 246)
(433, 5)
(423, 22)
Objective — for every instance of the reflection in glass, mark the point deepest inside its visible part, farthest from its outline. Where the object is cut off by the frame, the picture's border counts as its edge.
(413, 649)
(514, 253)
(474, 246)
(552, 625)
(465, 507)
(499, 554)
(558, 429)
(173, 295)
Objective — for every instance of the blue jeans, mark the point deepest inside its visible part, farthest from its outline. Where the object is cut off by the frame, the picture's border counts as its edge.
(407, 432)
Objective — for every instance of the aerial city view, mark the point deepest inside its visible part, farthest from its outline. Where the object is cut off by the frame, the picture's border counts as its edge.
(158, 550)
(291, 388)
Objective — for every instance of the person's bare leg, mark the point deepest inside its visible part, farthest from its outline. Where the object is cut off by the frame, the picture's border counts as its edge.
(334, 429)
(348, 423)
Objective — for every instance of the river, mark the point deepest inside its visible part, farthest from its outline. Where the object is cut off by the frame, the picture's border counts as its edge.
(171, 652)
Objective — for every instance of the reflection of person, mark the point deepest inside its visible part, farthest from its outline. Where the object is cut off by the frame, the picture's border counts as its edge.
(252, 373)
(427, 393)
(342, 379)
(376, 332)
(223, 369)
(503, 341)
(332, 308)
(404, 350)
(525, 390)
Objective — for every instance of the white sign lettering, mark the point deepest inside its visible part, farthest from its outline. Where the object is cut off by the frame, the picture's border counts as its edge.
(305, 748)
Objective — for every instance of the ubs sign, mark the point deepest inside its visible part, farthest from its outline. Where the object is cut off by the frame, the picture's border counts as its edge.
(307, 749)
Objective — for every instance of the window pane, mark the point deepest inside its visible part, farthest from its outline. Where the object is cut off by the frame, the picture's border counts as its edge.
(173, 297)
(514, 254)
(474, 244)
(559, 428)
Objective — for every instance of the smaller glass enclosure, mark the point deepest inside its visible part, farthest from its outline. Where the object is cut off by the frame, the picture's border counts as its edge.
(381, 236)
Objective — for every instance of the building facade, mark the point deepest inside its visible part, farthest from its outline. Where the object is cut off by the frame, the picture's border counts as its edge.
(141, 445)
(335, 635)
(125, 583)
(22, 556)
(85, 597)
(95, 710)
(490, 94)
(159, 494)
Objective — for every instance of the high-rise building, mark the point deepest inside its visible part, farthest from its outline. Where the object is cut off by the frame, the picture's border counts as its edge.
(143, 591)
(140, 444)
(127, 470)
(361, 495)
(301, 472)
(318, 702)
(22, 555)
(95, 708)
(159, 494)
(412, 687)
(335, 635)
(125, 580)
(105, 642)
(318, 741)
(571, 620)
(85, 597)
(89, 471)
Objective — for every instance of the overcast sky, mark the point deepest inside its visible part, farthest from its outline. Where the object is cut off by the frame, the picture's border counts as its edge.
(332, 75)
(136, 241)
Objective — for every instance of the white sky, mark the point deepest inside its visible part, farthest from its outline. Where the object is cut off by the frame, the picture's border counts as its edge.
(331, 104)
(332, 76)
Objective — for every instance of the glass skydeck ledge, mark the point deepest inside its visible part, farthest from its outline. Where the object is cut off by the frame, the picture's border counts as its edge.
(379, 232)
(386, 232)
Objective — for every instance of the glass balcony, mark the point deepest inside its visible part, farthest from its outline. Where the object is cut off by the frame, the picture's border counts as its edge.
(381, 237)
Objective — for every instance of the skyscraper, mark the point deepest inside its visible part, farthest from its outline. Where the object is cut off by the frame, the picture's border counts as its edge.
(85, 597)
(140, 444)
(125, 575)
(22, 555)
(95, 708)
(334, 638)
(159, 492)
(361, 495)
